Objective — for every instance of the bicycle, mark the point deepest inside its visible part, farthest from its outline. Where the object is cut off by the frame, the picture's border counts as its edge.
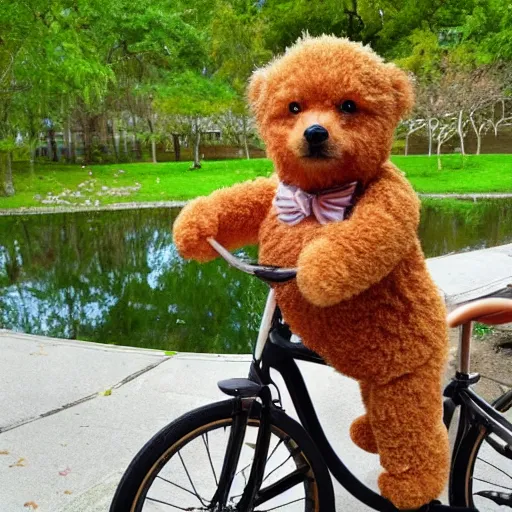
(232, 444)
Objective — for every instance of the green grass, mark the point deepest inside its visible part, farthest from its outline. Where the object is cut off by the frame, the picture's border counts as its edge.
(472, 173)
(174, 181)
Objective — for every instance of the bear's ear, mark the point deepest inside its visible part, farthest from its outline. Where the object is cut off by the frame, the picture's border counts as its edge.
(403, 91)
(256, 87)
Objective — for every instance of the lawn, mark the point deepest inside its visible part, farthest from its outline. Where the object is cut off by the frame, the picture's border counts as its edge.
(114, 183)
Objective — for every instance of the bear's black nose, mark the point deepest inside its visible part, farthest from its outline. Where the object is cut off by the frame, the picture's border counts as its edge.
(316, 134)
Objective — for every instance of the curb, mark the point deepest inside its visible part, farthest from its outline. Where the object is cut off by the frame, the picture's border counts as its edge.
(33, 210)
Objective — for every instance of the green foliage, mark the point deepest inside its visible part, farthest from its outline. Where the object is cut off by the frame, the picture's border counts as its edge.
(157, 67)
(192, 94)
(482, 330)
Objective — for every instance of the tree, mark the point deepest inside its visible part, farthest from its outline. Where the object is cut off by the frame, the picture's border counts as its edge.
(237, 49)
(193, 98)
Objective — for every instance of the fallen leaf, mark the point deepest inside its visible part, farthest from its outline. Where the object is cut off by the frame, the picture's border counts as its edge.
(4, 452)
(40, 353)
(31, 504)
(21, 463)
(65, 472)
(68, 492)
(107, 392)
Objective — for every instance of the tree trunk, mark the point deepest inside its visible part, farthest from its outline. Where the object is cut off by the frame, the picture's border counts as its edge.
(429, 137)
(197, 141)
(72, 146)
(477, 133)
(53, 145)
(125, 144)
(32, 148)
(87, 143)
(406, 149)
(461, 132)
(114, 142)
(48, 147)
(138, 148)
(67, 140)
(176, 146)
(6, 171)
(244, 137)
(153, 142)
(153, 151)
(439, 164)
(136, 142)
(134, 147)
(32, 156)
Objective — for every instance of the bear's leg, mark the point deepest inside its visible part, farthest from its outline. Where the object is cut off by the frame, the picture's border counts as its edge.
(406, 418)
(361, 430)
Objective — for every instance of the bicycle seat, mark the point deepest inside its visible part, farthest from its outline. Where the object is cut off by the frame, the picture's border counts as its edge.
(486, 311)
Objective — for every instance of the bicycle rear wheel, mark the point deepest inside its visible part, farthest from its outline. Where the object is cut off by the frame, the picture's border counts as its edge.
(179, 468)
(481, 476)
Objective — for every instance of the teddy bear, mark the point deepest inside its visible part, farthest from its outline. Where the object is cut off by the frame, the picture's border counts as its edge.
(339, 211)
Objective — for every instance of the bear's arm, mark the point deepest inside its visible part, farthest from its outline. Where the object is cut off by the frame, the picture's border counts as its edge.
(352, 255)
(231, 215)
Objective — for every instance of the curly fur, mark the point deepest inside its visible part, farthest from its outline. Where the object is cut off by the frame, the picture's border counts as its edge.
(363, 297)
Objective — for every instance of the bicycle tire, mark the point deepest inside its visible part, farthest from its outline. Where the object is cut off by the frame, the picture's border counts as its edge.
(461, 475)
(136, 477)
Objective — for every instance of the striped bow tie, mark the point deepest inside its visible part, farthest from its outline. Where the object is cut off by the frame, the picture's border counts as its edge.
(294, 204)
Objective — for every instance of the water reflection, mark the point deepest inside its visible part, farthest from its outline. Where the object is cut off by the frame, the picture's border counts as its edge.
(115, 277)
(449, 226)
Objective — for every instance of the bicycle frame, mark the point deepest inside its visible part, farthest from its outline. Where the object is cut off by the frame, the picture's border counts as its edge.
(275, 350)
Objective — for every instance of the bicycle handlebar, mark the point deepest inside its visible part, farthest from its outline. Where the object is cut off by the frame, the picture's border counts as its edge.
(264, 272)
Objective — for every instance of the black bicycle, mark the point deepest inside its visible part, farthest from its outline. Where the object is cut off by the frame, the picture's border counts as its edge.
(246, 454)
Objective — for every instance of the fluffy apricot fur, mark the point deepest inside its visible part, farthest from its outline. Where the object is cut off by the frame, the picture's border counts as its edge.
(363, 297)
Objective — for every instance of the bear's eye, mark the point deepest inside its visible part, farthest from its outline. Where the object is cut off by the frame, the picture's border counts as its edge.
(294, 107)
(348, 107)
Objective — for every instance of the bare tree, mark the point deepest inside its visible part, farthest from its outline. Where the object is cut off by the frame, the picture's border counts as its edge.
(504, 105)
(411, 126)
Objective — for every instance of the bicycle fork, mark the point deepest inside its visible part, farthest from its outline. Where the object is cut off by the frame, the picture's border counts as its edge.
(242, 389)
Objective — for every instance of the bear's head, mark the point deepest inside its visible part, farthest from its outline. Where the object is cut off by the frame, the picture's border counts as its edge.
(327, 110)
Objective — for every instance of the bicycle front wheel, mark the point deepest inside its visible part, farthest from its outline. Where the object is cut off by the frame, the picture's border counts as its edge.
(481, 475)
(180, 467)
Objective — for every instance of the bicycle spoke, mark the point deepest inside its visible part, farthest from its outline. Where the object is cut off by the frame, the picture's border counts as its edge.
(188, 509)
(284, 439)
(492, 483)
(176, 485)
(207, 446)
(495, 467)
(191, 483)
(292, 454)
(281, 506)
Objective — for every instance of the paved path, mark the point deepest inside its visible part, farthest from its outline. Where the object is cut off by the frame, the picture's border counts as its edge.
(467, 276)
(71, 452)
(73, 414)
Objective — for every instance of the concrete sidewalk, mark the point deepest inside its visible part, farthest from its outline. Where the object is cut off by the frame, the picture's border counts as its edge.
(73, 414)
(67, 454)
(470, 275)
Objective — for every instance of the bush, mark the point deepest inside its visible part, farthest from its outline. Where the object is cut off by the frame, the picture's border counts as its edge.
(398, 147)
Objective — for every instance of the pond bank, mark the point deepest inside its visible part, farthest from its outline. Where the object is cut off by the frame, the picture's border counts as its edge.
(33, 210)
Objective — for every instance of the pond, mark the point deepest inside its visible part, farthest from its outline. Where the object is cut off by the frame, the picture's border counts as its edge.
(115, 276)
